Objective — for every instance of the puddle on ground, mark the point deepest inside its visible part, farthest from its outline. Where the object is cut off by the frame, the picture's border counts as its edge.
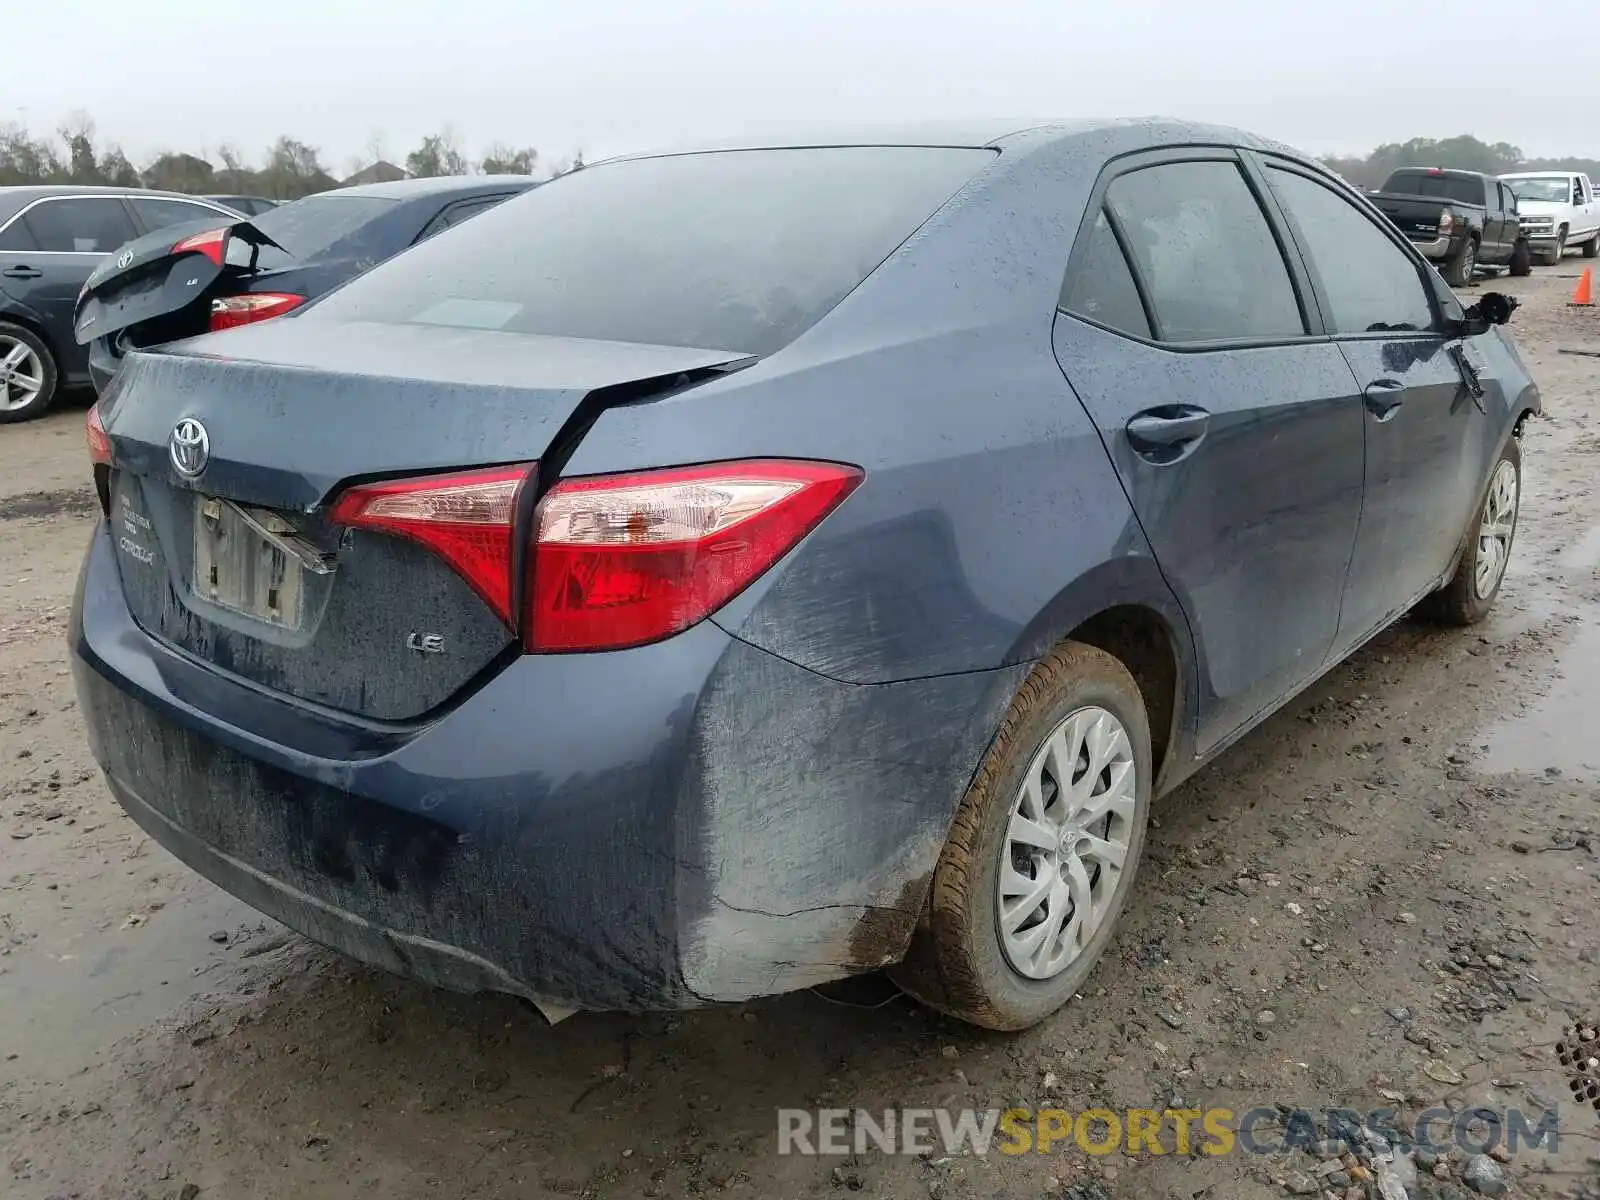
(1584, 554)
(1562, 730)
(64, 1002)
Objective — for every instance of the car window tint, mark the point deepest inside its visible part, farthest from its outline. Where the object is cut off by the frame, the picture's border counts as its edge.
(1100, 286)
(82, 224)
(1210, 263)
(736, 250)
(15, 236)
(1371, 284)
(458, 213)
(158, 214)
(1463, 189)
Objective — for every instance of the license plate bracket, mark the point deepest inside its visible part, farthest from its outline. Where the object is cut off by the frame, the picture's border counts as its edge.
(239, 569)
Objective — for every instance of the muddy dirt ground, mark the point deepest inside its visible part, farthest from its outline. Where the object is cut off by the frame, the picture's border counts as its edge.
(1390, 890)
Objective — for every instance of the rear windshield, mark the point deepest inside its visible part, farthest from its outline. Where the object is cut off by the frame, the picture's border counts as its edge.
(736, 250)
(1446, 187)
(311, 227)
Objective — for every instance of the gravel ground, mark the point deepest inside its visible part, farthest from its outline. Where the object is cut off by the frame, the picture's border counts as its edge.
(1384, 896)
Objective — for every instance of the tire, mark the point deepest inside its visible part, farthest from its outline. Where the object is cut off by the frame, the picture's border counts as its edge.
(1553, 255)
(1522, 259)
(1458, 270)
(1591, 248)
(1467, 599)
(25, 357)
(960, 962)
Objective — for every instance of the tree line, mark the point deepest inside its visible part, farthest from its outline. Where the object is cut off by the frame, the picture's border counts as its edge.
(1464, 153)
(290, 168)
(287, 170)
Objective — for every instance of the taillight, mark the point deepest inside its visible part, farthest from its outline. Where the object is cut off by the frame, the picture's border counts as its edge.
(623, 560)
(95, 433)
(466, 519)
(211, 243)
(232, 311)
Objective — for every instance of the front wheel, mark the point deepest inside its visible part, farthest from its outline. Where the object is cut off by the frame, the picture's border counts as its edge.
(27, 374)
(1042, 853)
(1471, 592)
(1458, 270)
(1522, 259)
(1553, 255)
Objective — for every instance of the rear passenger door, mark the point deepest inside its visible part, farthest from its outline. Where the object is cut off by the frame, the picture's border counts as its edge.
(1190, 337)
(1424, 425)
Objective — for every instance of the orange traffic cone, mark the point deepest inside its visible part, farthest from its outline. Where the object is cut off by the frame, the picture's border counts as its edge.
(1583, 294)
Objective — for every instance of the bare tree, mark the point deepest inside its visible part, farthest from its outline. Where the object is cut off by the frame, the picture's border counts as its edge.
(77, 131)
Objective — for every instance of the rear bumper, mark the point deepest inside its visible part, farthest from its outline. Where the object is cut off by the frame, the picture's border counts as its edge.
(1435, 248)
(692, 821)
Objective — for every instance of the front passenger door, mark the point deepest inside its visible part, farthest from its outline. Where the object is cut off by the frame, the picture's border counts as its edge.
(1424, 424)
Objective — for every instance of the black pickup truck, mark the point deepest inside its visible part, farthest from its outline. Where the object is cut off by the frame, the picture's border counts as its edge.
(1461, 220)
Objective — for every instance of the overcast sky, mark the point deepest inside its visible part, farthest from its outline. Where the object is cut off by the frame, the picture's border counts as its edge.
(607, 76)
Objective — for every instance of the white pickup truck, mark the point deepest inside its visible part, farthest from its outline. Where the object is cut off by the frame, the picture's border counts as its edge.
(1557, 209)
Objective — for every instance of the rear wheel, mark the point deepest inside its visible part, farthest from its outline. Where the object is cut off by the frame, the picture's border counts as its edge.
(1522, 259)
(1042, 853)
(27, 374)
(1458, 270)
(1471, 592)
(1591, 248)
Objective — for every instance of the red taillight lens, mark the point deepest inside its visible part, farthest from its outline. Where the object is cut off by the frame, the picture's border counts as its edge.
(210, 243)
(232, 311)
(622, 560)
(95, 433)
(466, 519)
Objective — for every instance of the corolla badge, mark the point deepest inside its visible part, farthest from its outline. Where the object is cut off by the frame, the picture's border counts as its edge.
(190, 447)
(124, 259)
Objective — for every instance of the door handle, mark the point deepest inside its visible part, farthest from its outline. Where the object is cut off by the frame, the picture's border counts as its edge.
(22, 272)
(1384, 397)
(1167, 427)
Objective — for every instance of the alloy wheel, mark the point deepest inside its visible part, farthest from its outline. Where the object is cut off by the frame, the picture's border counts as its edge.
(21, 374)
(1495, 530)
(1067, 844)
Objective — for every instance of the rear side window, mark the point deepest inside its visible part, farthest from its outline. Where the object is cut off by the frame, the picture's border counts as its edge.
(737, 250)
(1208, 258)
(1100, 286)
(1372, 285)
(81, 225)
(158, 214)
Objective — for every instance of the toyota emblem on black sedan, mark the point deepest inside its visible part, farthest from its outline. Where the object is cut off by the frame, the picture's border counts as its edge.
(123, 259)
(190, 447)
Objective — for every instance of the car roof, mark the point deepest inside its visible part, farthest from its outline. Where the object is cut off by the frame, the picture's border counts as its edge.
(17, 197)
(1541, 174)
(412, 189)
(978, 133)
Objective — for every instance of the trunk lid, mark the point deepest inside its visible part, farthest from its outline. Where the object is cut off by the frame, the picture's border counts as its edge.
(239, 563)
(146, 282)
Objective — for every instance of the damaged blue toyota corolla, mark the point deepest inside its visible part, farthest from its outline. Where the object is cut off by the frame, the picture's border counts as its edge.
(717, 573)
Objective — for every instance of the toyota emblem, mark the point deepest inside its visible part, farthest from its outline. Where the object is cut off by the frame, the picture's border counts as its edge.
(124, 259)
(190, 447)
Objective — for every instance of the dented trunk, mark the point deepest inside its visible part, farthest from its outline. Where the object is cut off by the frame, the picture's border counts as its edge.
(225, 467)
